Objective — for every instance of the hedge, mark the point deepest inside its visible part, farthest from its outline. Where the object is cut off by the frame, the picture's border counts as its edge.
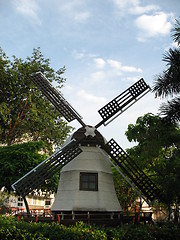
(10, 228)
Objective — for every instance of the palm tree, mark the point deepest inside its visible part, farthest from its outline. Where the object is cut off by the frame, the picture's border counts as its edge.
(167, 84)
(176, 35)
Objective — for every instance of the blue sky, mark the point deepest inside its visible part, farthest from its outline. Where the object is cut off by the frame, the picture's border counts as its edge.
(106, 46)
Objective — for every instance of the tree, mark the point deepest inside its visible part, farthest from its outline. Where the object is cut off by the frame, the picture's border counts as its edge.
(176, 35)
(24, 112)
(125, 193)
(167, 169)
(167, 84)
(157, 153)
(26, 115)
(16, 160)
(152, 134)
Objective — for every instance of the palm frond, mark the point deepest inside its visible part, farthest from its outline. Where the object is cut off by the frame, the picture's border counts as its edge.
(176, 30)
(171, 110)
(168, 83)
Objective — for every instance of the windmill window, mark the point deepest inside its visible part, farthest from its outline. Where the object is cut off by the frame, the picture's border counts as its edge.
(47, 202)
(88, 181)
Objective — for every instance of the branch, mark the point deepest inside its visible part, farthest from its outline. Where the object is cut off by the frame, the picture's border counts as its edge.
(20, 114)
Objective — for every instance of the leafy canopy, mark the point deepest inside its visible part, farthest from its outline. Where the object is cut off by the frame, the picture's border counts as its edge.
(17, 160)
(24, 112)
(157, 153)
(26, 115)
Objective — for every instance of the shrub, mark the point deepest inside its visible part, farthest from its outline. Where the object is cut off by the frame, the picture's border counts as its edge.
(10, 229)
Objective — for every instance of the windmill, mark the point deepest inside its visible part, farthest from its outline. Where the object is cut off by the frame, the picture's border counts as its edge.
(86, 181)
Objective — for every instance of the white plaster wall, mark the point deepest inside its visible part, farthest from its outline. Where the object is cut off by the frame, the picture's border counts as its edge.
(69, 197)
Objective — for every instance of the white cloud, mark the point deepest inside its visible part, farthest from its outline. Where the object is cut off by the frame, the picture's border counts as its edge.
(154, 25)
(81, 16)
(175, 44)
(68, 89)
(172, 45)
(151, 21)
(75, 10)
(140, 10)
(82, 54)
(133, 7)
(97, 76)
(100, 63)
(29, 9)
(124, 3)
(103, 69)
(77, 54)
(90, 97)
(131, 79)
(118, 66)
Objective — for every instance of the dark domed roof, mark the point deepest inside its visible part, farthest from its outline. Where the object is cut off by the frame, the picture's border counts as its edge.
(88, 136)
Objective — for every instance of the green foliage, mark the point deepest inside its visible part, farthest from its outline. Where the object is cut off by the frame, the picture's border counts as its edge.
(11, 229)
(25, 114)
(152, 134)
(168, 172)
(126, 194)
(24, 111)
(3, 201)
(158, 154)
(18, 159)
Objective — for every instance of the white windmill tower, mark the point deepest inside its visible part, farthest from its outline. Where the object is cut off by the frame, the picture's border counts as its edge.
(86, 181)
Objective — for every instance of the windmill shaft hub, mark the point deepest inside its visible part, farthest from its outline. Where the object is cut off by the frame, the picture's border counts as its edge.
(88, 136)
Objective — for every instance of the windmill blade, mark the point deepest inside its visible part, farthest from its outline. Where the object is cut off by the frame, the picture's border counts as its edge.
(68, 112)
(130, 168)
(46, 169)
(122, 102)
